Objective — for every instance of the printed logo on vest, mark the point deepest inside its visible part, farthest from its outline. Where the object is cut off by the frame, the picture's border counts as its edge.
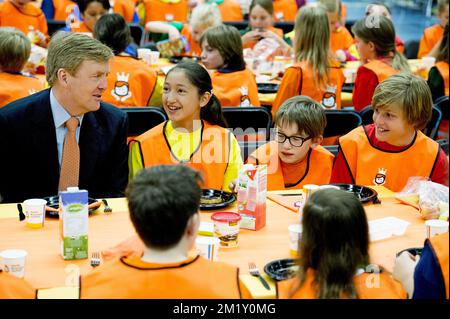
(121, 90)
(380, 177)
(329, 97)
(279, 15)
(245, 101)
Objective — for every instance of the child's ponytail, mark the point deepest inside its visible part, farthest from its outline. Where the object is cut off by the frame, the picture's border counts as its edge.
(212, 112)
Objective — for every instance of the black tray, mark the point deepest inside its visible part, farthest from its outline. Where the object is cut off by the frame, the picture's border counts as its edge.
(226, 199)
(178, 58)
(267, 87)
(364, 194)
(413, 251)
(281, 269)
(53, 202)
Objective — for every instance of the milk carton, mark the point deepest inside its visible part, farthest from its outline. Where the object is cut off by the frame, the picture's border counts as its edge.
(73, 219)
(251, 198)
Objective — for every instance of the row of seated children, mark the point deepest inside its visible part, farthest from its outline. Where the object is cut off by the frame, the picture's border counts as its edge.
(163, 203)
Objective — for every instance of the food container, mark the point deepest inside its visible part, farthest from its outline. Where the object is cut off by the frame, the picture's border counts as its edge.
(226, 228)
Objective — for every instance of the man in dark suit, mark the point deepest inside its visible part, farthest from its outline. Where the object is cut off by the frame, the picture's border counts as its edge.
(33, 129)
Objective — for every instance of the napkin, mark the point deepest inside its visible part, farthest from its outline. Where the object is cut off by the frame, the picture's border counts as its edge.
(256, 289)
(285, 201)
(131, 247)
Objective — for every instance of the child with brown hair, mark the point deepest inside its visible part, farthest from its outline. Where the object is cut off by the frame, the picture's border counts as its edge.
(392, 149)
(432, 35)
(296, 158)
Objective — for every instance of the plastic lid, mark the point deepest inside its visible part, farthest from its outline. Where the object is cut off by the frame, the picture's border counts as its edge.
(226, 217)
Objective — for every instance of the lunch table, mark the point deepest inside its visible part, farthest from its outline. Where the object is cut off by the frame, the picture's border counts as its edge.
(45, 267)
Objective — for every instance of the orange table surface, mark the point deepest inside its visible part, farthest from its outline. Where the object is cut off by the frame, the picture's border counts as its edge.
(45, 268)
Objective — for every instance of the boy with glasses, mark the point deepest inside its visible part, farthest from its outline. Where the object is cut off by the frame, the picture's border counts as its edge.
(295, 157)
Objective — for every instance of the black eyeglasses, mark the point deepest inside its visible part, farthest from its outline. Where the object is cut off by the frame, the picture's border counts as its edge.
(295, 141)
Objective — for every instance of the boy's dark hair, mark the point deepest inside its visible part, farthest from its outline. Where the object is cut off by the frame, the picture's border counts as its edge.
(83, 4)
(112, 30)
(335, 242)
(161, 200)
(200, 78)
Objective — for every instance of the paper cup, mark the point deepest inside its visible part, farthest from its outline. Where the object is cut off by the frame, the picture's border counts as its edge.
(295, 235)
(435, 227)
(308, 189)
(208, 247)
(145, 54)
(13, 261)
(34, 210)
(154, 57)
(226, 228)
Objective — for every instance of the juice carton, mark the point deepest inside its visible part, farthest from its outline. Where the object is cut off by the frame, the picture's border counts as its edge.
(251, 198)
(73, 220)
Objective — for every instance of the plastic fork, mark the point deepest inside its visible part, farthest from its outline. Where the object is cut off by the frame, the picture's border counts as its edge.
(107, 209)
(95, 259)
(255, 272)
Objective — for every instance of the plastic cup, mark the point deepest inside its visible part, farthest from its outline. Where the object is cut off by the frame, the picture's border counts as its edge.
(145, 54)
(226, 228)
(208, 247)
(295, 235)
(435, 227)
(308, 189)
(14, 261)
(154, 57)
(34, 210)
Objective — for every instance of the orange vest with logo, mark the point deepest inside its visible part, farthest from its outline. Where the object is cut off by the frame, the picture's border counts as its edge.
(16, 86)
(63, 8)
(442, 67)
(284, 10)
(299, 80)
(156, 10)
(319, 164)
(132, 278)
(14, 288)
(210, 158)
(277, 31)
(194, 47)
(372, 166)
(80, 26)
(125, 8)
(430, 38)
(230, 10)
(130, 82)
(367, 285)
(341, 39)
(22, 19)
(234, 88)
(381, 69)
(439, 244)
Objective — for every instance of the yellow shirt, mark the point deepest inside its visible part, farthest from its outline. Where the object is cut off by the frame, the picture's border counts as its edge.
(183, 145)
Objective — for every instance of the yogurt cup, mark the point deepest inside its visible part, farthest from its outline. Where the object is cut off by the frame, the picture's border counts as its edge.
(295, 235)
(226, 228)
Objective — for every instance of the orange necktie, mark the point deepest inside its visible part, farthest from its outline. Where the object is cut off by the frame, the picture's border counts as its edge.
(70, 163)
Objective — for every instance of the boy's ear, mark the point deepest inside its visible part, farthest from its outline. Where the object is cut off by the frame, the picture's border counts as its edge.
(316, 141)
(204, 99)
(372, 46)
(193, 225)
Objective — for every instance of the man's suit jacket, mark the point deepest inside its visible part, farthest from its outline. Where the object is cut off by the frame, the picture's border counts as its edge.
(29, 165)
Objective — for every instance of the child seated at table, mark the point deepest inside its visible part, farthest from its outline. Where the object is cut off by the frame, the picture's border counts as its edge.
(12, 287)
(131, 82)
(284, 10)
(296, 158)
(195, 134)
(392, 149)
(230, 10)
(163, 202)
(379, 56)
(433, 35)
(334, 253)
(233, 83)
(316, 73)
(15, 50)
(438, 78)
(164, 10)
(90, 12)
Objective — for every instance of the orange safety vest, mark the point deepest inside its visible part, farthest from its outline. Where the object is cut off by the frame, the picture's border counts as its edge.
(235, 88)
(298, 80)
(439, 244)
(130, 83)
(230, 10)
(63, 8)
(442, 67)
(284, 10)
(16, 86)
(194, 47)
(381, 69)
(194, 278)
(80, 26)
(156, 10)
(29, 16)
(430, 37)
(367, 285)
(319, 164)
(341, 39)
(370, 165)
(125, 8)
(14, 288)
(210, 158)
(277, 31)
